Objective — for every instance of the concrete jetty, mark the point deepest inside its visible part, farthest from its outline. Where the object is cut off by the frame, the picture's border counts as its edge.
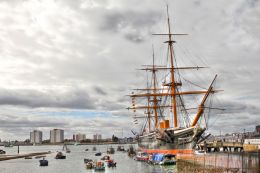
(17, 156)
(219, 162)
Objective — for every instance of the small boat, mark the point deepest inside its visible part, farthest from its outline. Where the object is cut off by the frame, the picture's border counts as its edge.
(163, 159)
(120, 148)
(142, 156)
(100, 166)
(60, 155)
(169, 159)
(131, 151)
(106, 158)
(88, 160)
(199, 152)
(111, 164)
(110, 150)
(65, 147)
(43, 162)
(89, 165)
(2, 151)
(38, 157)
(98, 154)
(94, 149)
(76, 143)
(28, 157)
(8, 145)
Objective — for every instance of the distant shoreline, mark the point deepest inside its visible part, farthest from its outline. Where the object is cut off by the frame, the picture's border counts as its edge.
(73, 143)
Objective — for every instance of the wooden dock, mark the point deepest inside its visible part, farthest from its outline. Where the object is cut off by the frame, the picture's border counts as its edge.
(17, 156)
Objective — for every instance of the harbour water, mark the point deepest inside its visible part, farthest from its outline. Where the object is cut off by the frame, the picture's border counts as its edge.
(74, 162)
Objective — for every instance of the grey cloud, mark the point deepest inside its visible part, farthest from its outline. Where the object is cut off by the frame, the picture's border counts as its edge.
(253, 3)
(74, 99)
(100, 91)
(19, 123)
(134, 25)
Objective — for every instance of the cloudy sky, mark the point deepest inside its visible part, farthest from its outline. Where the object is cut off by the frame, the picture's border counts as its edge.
(70, 64)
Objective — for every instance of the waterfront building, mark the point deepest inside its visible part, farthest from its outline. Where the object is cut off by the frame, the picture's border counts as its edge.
(79, 137)
(130, 139)
(56, 136)
(257, 129)
(36, 137)
(97, 137)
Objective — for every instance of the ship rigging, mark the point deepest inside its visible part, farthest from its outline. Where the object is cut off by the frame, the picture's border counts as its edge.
(165, 135)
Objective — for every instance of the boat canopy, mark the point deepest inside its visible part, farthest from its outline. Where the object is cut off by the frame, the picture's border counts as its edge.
(158, 157)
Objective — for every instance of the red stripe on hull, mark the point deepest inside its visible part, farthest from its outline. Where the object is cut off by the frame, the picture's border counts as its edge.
(176, 151)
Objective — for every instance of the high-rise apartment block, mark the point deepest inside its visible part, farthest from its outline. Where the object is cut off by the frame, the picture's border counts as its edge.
(56, 136)
(36, 137)
(79, 137)
(257, 129)
(97, 137)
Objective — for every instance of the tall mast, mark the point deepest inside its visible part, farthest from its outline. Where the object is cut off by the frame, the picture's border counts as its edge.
(154, 91)
(173, 89)
(148, 111)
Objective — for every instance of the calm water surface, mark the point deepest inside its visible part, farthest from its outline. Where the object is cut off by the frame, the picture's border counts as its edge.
(74, 162)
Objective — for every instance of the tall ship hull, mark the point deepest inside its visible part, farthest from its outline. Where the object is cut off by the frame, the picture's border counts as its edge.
(167, 102)
(171, 141)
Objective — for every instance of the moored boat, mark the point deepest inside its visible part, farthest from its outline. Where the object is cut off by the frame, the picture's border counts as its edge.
(38, 157)
(8, 145)
(60, 155)
(88, 160)
(106, 158)
(120, 148)
(98, 154)
(131, 151)
(110, 150)
(65, 147)
(28, 157)
(163, 159)
(111, 163)
(89, 164)
(142, 156)
(2, 151)
(43, 162)
(99, 166)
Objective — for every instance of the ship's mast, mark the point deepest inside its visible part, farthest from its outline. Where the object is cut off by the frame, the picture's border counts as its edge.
(154, 91)
(173, 89)
(148, 112)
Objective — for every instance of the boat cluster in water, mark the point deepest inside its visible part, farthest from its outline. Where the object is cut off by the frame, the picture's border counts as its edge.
(105, 161)
(43, 162)
(98, 164)
(101, 164)
(156, 158)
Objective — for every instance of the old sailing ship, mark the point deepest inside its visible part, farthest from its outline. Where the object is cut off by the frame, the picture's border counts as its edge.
(161, 135)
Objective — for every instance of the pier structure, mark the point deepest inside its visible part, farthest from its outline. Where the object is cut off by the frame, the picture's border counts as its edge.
(217, 146)
(18, 156)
